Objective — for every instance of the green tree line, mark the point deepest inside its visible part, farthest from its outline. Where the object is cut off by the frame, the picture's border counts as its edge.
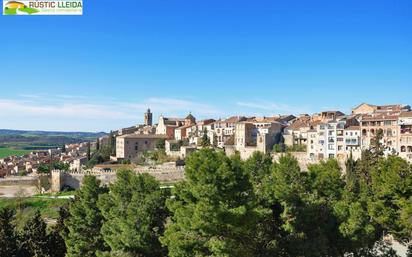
(228, 207)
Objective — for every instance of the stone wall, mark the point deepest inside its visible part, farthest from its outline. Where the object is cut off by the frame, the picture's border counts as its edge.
(75, 179)
(19, 181)
(304, 161)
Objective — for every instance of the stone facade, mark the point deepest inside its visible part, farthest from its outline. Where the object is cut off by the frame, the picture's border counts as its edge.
(164, 173)
(129, 147)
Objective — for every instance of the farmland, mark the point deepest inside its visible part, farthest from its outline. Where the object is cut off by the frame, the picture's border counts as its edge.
(20, 142)
(4, 152)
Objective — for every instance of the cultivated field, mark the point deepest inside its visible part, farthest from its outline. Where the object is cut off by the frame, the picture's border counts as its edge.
(5, 152)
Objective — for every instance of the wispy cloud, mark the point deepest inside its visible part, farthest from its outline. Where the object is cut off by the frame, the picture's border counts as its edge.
(29, 96)
(274, 107)
(65, 114)
(174, 106)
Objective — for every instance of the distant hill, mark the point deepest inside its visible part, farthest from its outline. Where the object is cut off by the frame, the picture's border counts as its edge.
(35, 140)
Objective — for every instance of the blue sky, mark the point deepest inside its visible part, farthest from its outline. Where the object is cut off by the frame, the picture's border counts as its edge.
(215, 58)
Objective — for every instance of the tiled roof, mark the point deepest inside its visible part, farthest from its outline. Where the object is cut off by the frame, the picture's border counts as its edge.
(143, 136)
(406, 115)
(379, 117)
(232, 119)
(353, 128)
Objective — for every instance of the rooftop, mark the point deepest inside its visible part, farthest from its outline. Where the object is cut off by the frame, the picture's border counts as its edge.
(144, 136)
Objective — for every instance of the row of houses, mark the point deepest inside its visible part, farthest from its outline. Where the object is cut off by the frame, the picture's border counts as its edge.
(75, 155)
(238, 133)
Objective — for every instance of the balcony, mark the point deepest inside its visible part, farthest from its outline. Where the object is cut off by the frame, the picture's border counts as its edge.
(406, 130)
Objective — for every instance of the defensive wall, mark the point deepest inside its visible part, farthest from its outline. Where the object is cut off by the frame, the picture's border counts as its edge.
(60, 179)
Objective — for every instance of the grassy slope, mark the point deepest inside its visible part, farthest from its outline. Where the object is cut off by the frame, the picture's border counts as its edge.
(48, 207)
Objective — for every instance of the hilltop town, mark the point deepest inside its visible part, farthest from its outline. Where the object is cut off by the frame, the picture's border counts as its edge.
(310, 138)
(329, 134)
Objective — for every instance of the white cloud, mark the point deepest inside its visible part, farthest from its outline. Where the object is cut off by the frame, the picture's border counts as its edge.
(174, 106)
(78, 114)
(274, 107)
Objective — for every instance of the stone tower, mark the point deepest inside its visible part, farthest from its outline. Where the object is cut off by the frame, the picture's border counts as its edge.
(148, 118)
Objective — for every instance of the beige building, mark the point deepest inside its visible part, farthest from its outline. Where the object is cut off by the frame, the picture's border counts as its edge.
(129, 147)
(387, 124)
(251, 137)
(168, 126)
(365, 108)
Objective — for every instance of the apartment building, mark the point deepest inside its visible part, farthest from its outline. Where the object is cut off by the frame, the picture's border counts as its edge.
(385, 124)
(353, 142)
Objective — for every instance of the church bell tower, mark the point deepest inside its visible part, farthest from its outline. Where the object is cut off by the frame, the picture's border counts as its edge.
(148, 118)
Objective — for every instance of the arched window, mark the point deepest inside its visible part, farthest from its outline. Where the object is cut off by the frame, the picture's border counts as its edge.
(389, 132)
(403, 149)
(373, 132)
(409, 149)
(364, 132)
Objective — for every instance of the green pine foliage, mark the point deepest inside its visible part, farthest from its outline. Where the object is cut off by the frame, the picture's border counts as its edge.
(228, 207)
(135, 213)
(212, 211)
(84, 237)
(8, 239)
(33, 238)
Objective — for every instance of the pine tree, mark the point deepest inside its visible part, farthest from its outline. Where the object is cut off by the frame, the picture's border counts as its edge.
(88, 151)
(56, 241)
(63, 148)
(135, 214)
(97, 144)
(33, 238)
(84, 224)
(8, 239)
(212, 210)
(205, 141)
(352, 185)
(112, 139)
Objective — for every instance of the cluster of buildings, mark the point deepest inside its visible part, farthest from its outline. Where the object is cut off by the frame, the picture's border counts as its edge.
(336, 135)
(181, 136)
(329, 134)
(75, 155)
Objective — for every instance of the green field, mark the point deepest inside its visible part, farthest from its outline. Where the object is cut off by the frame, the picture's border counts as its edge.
(41, 140)
(5, 152)
(25, 207)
